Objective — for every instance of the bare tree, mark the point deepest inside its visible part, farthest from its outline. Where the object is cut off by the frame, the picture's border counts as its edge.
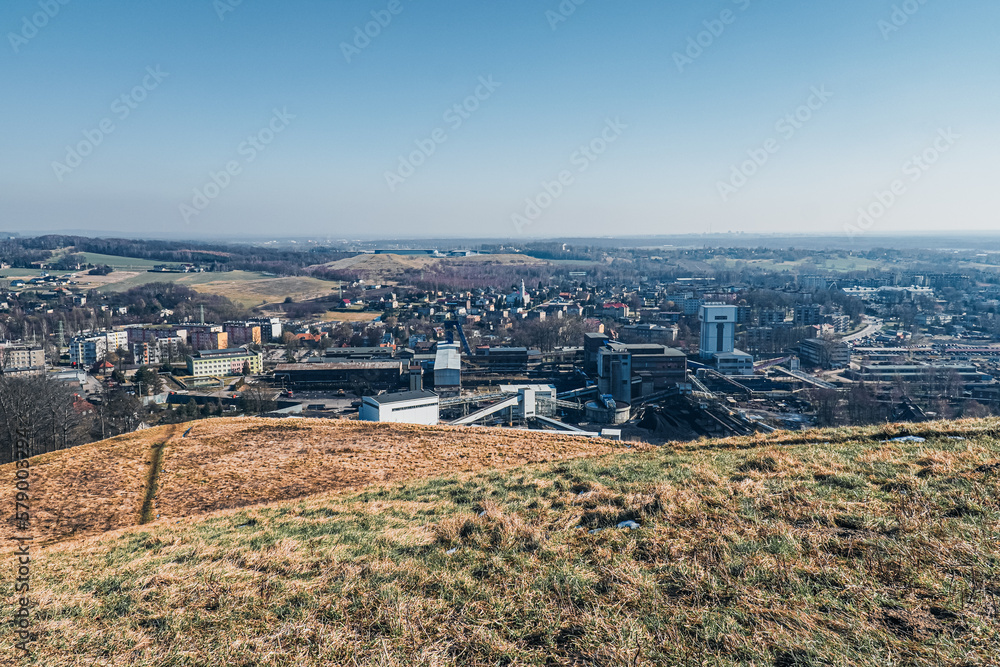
(39, 413)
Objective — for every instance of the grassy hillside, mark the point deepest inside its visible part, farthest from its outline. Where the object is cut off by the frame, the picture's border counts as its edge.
(188, 469)
(824, 548)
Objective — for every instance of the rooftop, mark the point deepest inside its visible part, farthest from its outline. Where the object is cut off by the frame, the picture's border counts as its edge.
(341, 366)
(400, 397)
(228, 352)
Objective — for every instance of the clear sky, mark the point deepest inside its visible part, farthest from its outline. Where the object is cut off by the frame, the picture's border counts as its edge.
(117, 114)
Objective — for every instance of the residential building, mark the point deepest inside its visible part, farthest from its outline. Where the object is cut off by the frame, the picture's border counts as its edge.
(21, 360)
(808, 314)
(88, 350)
(208, 337)
(825, 353)
(242, 333)
(768, 317)
(206, 363)
(270, 328)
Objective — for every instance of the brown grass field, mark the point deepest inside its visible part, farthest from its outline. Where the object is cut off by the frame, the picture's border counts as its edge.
(228, 463)
(821, 548)
(349, 316)
(390, 267)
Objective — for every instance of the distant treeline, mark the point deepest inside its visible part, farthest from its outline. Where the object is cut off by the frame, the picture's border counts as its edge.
(21, 252)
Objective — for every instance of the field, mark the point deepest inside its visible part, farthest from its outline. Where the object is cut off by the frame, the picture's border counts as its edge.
(822, 548)
(244, 287)
(389, 268)
(350, 316)
(123, 263)
(228, 463)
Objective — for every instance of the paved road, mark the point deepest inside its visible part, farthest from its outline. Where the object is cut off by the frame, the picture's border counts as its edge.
(873, 327)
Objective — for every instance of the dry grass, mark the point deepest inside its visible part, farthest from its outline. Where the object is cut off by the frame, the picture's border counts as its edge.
(387, 268)
(821, 548)
(350, 316)
(249, 290)
(229, 463)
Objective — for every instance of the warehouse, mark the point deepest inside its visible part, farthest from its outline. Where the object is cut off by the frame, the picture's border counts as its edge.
(405, 407)
(374, 375)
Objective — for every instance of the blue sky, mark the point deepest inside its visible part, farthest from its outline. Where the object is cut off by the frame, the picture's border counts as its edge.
(559, 79)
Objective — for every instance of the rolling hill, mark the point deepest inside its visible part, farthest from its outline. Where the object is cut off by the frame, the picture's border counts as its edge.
(189, 469)
(299, 543)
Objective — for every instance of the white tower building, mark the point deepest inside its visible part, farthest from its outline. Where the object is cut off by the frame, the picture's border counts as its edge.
(718, 329)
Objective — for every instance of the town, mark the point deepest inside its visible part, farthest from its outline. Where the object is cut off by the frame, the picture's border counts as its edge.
(652, 344)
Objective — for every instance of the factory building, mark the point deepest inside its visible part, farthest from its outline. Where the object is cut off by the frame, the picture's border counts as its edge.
(718, 329)
(373, 375)
(405, 407)
(592, 343)
(718, 340)
(448, 369)
(648, 333)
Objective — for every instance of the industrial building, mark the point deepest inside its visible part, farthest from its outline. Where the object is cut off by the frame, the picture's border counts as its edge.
(405, 407)
(736, 362)
(614, 373)
(505, 359)
(592, 343)
(372, 375)
(718, 340)
(648, 333)
(448, 369)
(916, 373)
(718, 329)
(619, 365)
(358, 353)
